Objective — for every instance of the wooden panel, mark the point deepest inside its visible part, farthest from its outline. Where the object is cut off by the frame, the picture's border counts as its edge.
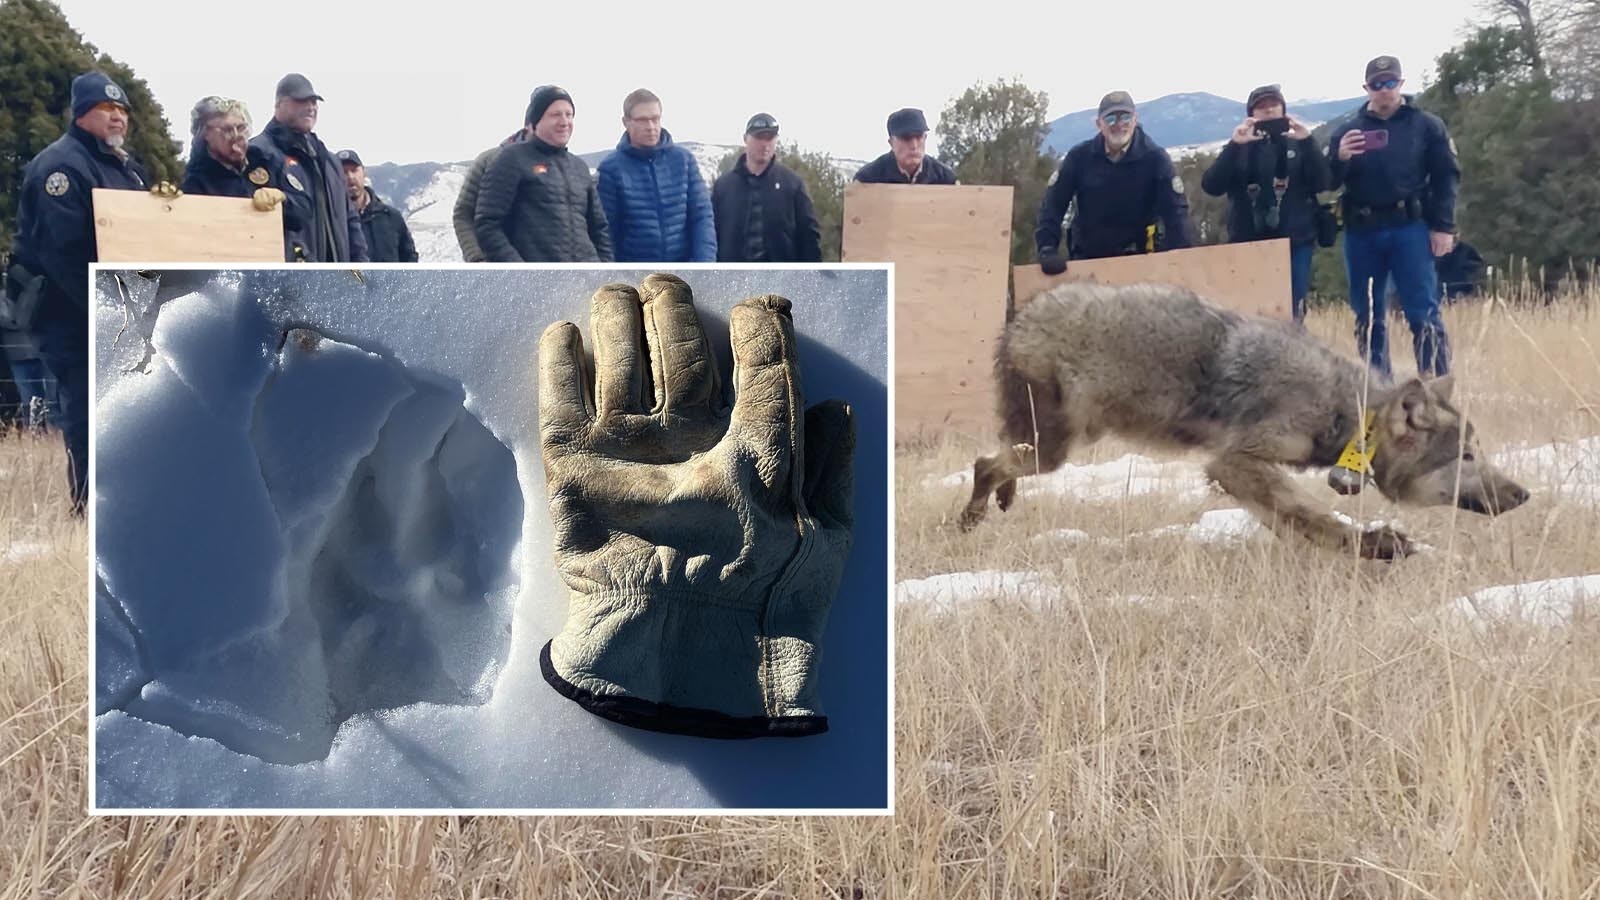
(951, 248)
(1248, 278)
(137, 227)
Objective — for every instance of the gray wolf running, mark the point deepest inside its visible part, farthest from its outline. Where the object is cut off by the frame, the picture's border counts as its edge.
(1160, 365)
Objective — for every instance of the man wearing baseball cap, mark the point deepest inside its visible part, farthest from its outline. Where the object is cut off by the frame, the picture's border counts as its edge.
(907, 161)
(47, 285)
(1398, 168)
(312, 178)
(1127, 191)
(1271, 171)
(388, 238)
(761, 207)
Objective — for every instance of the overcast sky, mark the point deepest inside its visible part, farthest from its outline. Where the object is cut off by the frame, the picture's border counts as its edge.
(451, 78)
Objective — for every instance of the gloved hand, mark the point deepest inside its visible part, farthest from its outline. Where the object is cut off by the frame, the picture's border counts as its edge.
(1052, 263)
(701, 546)
(266, 199)
(166, 190)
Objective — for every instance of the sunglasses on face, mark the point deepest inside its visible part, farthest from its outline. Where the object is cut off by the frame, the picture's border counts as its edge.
(1387, 84)
(1116, 118)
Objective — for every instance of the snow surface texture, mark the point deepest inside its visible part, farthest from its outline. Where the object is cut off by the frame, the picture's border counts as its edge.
(323, 560)
(1551, 604)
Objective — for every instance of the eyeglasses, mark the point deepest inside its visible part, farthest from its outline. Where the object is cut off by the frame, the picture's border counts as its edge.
(1116, 118)
(231, 131)
(1387, 84)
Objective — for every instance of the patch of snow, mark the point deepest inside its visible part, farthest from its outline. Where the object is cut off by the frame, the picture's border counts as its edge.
(955, 591)
(1551, 604)
(1126, 476)
(1568, 470)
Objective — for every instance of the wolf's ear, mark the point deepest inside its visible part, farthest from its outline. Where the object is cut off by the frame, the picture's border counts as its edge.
(1418, 402)
(1442, 386)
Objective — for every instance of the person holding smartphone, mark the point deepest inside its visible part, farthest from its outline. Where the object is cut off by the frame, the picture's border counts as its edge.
(1271, 171)
(1398, 168)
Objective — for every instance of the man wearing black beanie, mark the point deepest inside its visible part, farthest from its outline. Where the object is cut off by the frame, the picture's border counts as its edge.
(47, 286)
(538, 201)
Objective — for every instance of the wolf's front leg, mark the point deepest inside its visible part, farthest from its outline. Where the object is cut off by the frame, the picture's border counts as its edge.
(1263, 487)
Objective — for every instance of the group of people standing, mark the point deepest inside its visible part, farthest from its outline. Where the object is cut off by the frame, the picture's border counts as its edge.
(530, 199)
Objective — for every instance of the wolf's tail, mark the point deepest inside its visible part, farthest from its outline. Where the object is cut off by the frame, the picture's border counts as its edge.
(1029, 409)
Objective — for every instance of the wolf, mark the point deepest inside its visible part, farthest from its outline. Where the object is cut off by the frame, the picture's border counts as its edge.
(1162, 366)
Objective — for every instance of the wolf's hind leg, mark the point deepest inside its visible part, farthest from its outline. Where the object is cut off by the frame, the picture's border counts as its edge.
(1264, 488)
(995, 474)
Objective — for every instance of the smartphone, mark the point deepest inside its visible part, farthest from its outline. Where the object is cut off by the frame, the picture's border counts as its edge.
(1376, 140)
(1272, 127)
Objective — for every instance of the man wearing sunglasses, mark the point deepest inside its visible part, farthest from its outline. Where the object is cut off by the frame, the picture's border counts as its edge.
(1398, 168)
(223, 163)
(1125, 187)
(1271, 171)
(47, 285)
(331, 231)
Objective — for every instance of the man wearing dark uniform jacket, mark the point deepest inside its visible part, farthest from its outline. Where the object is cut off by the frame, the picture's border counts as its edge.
(48, 283)
(332, 230)
(1398, 168)
(1125, 185)
(222, 162)
(907, 161)
(761, 208)
(388, 238)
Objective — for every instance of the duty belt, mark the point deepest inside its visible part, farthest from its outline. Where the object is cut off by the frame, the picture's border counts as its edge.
(1381, 213)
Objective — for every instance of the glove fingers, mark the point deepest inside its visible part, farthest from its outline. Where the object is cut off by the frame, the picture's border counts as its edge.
(766, 377)
(563, 384)
(618, 337)
(683, 369)
(830, 449)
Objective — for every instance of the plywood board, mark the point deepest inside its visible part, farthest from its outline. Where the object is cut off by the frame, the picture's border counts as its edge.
(951, 249)
(137, 227)
(1247, 278)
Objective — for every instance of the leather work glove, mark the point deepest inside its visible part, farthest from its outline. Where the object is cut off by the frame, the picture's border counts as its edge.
(266, 199)
(701, 545)
(1052, 263)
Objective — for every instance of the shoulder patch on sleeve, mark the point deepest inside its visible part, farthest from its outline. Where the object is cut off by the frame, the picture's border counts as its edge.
(56, 184)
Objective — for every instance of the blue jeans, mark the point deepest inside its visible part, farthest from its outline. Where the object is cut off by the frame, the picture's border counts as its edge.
(1300, 277)
(62, 330)
(1404, 252)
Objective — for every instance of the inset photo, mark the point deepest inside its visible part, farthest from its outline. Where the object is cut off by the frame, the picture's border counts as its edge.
(492, 538)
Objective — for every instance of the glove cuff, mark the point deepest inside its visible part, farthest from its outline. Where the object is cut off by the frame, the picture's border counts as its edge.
(637, 712)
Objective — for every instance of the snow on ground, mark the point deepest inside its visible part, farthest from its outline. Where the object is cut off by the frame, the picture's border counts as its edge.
(1126, 476)
(959, 590)
(1569, 470)
(1552, 604)
(322, 550)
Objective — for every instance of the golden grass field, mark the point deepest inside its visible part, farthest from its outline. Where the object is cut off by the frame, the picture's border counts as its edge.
(1270, 721)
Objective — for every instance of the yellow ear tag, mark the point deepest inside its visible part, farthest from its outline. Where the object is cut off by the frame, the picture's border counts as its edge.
(1353, 458)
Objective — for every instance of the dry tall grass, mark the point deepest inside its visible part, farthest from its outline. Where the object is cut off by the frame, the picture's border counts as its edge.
(1272, 722)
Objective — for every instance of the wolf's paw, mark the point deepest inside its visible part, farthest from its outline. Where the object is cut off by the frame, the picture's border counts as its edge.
(1385, 542)
(970, 517)
(1005, 495)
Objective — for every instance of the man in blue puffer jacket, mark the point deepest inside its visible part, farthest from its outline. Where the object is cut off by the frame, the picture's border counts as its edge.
(655, 199)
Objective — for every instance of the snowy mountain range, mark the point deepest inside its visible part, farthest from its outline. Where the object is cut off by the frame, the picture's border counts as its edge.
(1188, 120)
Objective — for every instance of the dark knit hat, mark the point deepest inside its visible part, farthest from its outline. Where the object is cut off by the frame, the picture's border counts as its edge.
(543, 96)
(92, 89)
(1265, 94)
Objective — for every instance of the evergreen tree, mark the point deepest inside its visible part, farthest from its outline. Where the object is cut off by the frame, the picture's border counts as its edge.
(994, 134)
(40, 54)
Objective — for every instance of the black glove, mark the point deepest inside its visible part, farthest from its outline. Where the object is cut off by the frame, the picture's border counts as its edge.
(1052, 263)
